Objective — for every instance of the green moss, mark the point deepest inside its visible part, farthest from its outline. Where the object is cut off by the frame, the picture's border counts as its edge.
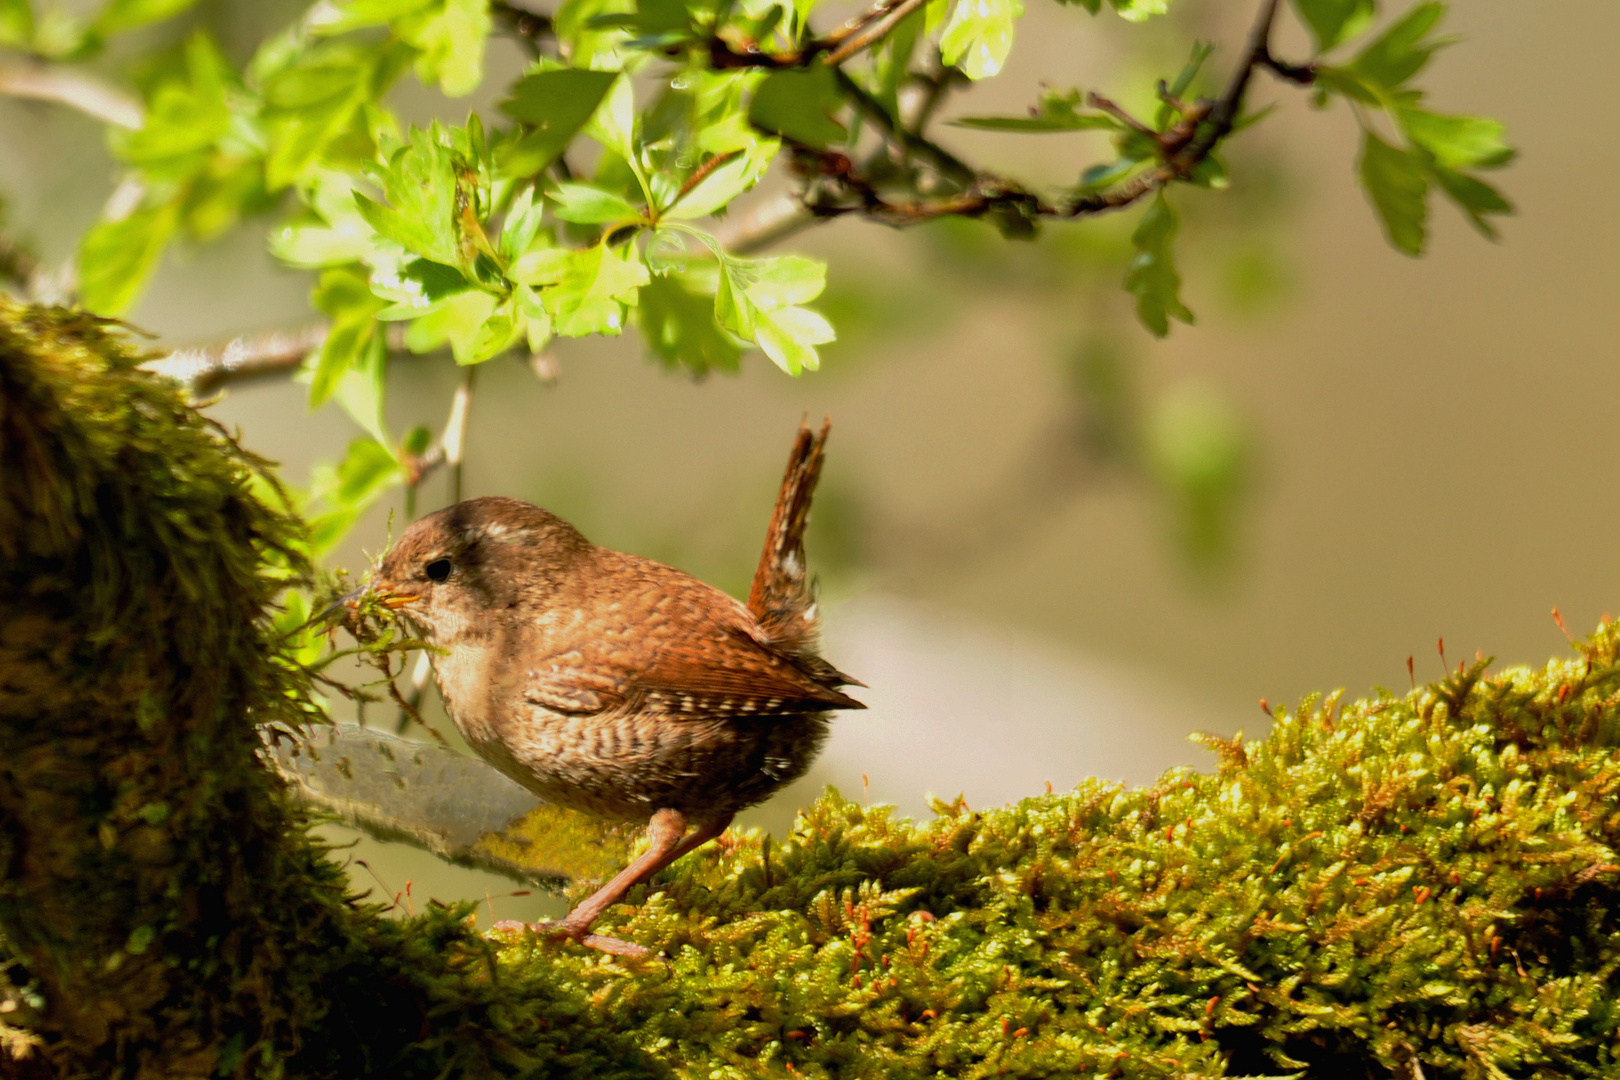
(1428, 879)
(1397, 887)
(163, 911)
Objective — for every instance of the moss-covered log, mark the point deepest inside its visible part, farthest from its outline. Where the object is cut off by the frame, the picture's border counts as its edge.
(162, 911)
(1417, 886)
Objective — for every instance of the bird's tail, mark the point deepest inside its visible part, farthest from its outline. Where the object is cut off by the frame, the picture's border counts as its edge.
(783, 598)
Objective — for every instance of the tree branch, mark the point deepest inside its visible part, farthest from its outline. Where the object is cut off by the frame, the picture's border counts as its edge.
(247, 356)
(75, 88)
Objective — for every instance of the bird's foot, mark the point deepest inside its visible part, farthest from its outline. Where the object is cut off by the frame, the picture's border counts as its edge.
(559, 930)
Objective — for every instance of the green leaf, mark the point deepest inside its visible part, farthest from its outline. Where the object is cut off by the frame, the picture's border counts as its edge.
(522, 224)
(344, 295)
(1140, 10)
(367, 470)
(1333, 21)
(979, 36)
(715, 191)
(420, 184)
(1401, 51)
(1151, 276)
(498, 333)
(360, 390)
(415, 287)
(757, 298)
(800, 105)
(331, 231)
(1456, 142)
(586, 291)
(450, 38)
(1106, 173)
(1059, 110)
(680, 327)
(1474, 197)
(117, 257)
(309, 105)
(553, 105)
(127, 14)
(587, 205)
(891, 61)
(1395, 182)
(457, 321)
(446, 36)
(184, 120)
(613, 124)
(16, 23)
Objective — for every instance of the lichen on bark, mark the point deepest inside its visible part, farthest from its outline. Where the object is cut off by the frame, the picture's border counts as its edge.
(1423, 885)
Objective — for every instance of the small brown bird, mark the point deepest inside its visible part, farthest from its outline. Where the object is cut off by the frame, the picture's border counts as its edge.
(617, 685)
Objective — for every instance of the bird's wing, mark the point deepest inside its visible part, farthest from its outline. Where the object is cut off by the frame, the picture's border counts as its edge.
(730, 674)
(719, 672)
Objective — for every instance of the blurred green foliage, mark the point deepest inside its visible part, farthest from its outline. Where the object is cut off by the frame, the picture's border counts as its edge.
(589, 199)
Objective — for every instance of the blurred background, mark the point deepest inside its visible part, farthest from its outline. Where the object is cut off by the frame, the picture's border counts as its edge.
(1051, 544)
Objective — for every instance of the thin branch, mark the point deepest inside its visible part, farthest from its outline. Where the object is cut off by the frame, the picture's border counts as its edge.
(244, 357)
(455, 431)
(867, 29)
(947, 163)
(703, 172)
(76, 88)
(860, 32)
(764, 224)
(937, 85)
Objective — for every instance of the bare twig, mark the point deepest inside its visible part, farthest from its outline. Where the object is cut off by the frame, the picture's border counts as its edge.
(937, 84)
(74, 87)
(867, 28)
(703, 172)
(247, 356)
(413, 700)
(764, 224)
(455, 431)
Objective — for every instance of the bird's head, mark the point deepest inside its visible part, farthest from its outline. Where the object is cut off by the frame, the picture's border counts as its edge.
(455, 568)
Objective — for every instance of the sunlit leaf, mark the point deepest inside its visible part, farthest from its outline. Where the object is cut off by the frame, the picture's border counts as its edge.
(586, 291)
(979, 36)
(587, 205)
(117, 257)
(420, 185)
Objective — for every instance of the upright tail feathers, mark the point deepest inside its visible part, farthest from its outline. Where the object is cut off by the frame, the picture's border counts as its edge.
(782, 597)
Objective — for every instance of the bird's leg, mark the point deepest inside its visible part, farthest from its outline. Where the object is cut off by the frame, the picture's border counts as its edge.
(666, 842)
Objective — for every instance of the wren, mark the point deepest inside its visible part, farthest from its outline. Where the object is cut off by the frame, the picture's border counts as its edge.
(614, 684)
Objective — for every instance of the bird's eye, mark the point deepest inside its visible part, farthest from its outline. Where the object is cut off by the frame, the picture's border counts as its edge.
(437, 570)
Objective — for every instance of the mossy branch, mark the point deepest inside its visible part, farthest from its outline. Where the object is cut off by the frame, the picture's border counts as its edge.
(1403, 886)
